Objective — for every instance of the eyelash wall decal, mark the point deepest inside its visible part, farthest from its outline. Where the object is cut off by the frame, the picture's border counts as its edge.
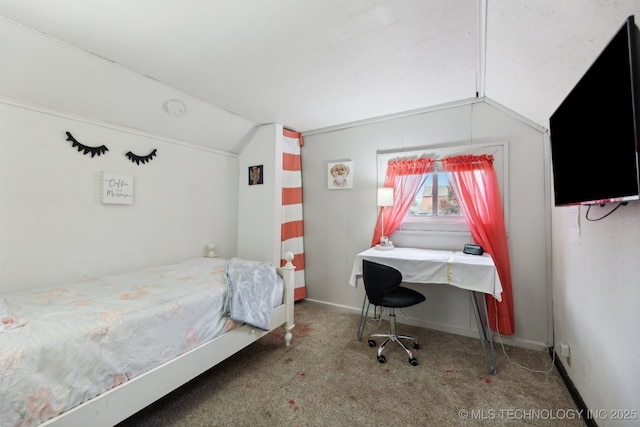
(95, 151)
(141, 159)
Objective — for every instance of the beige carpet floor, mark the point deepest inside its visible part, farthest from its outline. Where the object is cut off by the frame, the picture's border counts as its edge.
(329, 378)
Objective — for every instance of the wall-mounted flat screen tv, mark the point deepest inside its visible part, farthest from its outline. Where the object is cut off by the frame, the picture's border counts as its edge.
(594, 132)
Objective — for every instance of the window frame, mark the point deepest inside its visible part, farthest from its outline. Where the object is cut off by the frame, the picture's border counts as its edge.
(498, 149)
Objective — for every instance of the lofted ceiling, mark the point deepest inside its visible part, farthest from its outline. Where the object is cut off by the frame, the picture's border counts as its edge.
(315, 64)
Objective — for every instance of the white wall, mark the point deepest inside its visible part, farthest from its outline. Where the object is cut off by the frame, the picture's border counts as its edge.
(339, 223)
(53, 226)
(46, 72)
(260, 205)
(596, 276)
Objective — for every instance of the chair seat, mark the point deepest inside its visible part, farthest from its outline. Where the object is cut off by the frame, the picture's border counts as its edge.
(400, 297)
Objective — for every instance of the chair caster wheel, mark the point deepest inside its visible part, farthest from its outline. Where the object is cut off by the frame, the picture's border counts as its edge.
(416, 345)
(382, 359)
(372, 343)
(413, 361)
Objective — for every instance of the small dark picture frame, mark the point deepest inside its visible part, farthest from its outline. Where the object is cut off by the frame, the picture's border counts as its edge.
(256, 175)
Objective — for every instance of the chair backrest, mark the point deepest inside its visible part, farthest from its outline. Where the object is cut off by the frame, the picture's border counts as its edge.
(379, 280)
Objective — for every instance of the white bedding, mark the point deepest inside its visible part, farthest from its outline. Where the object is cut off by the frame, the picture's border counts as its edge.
(67, 344)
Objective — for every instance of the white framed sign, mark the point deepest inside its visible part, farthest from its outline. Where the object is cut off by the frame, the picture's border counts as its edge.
(116, 188)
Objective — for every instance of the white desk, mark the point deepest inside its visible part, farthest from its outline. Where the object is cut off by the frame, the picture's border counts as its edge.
(474, 273)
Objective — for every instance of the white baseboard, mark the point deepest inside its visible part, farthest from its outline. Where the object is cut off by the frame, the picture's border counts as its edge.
(471, 333)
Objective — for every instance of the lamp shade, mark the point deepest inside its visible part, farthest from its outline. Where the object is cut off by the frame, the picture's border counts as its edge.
(385, 196)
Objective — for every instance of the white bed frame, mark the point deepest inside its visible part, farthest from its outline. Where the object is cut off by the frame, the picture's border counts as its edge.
(121, 402)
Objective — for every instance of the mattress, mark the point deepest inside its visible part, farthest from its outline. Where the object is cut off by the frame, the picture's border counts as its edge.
(63, 345)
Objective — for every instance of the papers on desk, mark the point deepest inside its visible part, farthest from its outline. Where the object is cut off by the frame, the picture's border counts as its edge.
(471, 272)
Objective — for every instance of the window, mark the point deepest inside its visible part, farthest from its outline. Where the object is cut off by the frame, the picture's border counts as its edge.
(435, 208)
(435, 199)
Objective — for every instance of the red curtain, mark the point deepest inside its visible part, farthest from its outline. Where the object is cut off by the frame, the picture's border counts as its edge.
(406, 178)
(476, 189)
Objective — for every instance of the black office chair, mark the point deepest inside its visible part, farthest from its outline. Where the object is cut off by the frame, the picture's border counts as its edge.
(382, 285)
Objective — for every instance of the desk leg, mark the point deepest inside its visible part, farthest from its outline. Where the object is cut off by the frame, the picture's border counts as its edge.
(485, 332)
(363, 317)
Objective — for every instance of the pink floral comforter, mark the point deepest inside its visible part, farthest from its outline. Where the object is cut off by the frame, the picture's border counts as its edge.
(63, 345)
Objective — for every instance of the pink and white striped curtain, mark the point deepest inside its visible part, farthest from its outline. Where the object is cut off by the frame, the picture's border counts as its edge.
(292, 231)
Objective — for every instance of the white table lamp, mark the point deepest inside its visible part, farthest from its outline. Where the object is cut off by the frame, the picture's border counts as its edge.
(385, 198)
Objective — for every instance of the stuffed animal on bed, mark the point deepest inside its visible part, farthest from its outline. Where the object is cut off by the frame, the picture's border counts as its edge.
(211, 253)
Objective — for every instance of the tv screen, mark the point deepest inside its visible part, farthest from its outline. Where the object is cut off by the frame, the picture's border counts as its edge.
(594, 131)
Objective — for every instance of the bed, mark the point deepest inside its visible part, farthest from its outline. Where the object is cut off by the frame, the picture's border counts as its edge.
(97, 351)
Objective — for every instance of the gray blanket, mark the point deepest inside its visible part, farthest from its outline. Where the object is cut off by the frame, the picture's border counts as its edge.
(250, 287)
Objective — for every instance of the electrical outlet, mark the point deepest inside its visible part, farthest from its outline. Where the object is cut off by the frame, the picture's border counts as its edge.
(564, 350)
